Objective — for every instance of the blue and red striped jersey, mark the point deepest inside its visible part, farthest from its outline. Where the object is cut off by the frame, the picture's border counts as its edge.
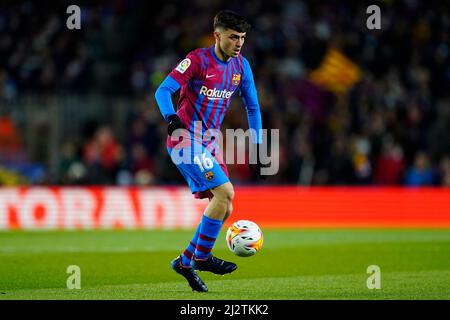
(207, 86)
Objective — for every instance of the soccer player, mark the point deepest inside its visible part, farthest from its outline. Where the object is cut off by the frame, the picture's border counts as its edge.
(209, 78)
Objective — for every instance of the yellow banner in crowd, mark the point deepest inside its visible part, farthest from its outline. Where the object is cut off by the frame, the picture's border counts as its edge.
(336, 73)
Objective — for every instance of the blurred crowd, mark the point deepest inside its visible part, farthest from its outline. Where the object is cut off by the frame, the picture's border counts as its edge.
(391, 128)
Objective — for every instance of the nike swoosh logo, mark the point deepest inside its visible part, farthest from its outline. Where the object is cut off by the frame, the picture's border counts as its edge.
(210, 76)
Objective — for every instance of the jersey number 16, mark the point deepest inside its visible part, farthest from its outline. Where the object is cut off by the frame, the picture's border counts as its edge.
(204, 163)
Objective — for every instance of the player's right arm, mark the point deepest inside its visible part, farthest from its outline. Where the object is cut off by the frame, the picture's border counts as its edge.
(163, 96)
(186, 70)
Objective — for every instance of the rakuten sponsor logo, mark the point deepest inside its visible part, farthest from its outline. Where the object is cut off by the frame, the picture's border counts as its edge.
(214, 94)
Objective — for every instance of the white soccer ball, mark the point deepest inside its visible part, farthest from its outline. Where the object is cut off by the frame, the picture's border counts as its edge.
(244, 238)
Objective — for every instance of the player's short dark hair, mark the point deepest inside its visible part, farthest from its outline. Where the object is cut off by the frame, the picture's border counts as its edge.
(231, 20)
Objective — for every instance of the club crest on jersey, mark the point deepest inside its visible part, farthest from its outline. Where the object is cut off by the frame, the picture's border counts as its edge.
(209, 175)
(236, 79)
(184, 65)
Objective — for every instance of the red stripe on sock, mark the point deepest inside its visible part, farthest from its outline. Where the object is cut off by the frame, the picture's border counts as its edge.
(188, 254)
(203, 249)
(206, 238)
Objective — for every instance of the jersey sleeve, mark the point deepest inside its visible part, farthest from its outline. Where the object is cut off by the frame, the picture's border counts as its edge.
(163, 96)
(187, 69)
(250, 98)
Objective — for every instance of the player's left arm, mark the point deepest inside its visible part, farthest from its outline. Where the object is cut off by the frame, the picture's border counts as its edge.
(250, 98)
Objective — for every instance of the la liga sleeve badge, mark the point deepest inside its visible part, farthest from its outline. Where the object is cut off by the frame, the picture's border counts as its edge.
(184, 65)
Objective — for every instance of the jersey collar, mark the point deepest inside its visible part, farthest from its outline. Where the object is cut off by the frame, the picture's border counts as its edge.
(217, 58)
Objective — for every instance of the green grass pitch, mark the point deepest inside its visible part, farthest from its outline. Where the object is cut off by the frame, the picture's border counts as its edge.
(293, 264)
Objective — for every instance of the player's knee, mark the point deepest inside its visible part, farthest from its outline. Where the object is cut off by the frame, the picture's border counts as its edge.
(230, 195)
(226, 194)
(228, 212)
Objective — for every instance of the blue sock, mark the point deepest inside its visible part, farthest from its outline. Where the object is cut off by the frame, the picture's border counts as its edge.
(186, 256)
(209, 231)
